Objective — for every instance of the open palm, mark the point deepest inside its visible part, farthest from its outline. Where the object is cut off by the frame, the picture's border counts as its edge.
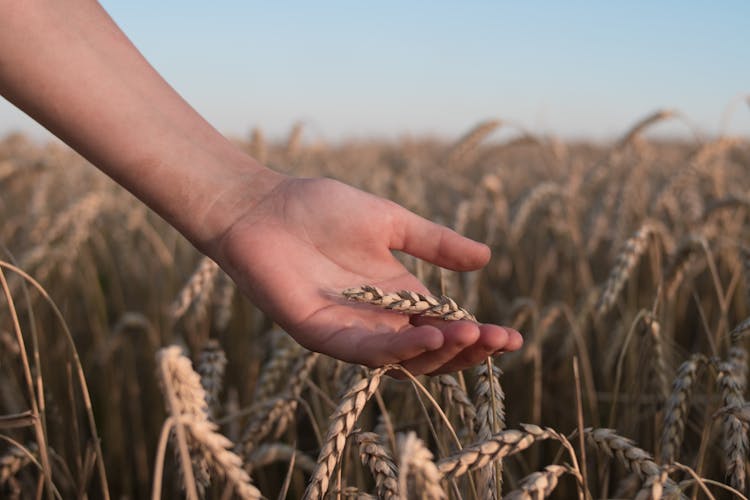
(295, 251)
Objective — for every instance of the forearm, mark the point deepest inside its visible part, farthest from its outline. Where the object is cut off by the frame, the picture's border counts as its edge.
(69, 66)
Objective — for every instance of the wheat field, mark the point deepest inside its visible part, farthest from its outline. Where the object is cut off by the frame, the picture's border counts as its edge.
(130, 368)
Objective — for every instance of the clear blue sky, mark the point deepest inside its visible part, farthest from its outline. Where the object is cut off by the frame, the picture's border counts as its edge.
(349, 68)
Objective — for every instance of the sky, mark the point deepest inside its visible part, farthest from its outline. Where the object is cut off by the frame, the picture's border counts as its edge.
(354, 69)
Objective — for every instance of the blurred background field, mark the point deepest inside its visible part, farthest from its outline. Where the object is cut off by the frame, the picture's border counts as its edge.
(629, 257)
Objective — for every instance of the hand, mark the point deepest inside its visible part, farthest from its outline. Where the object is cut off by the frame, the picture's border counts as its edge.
(293, 252)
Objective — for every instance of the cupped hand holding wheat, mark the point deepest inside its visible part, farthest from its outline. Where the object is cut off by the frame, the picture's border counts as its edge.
(308, 239)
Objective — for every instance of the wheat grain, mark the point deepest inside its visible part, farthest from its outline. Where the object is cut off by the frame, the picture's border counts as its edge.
(408, 302)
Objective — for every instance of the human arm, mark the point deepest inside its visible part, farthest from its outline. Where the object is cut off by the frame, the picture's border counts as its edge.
(290, 244)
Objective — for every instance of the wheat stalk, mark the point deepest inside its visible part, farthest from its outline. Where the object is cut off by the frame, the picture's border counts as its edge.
(408, 302)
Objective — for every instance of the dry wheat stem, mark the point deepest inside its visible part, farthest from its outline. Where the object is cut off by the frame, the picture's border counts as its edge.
(409, 302)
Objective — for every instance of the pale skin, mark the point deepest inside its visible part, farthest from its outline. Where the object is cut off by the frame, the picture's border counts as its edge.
(290, 244)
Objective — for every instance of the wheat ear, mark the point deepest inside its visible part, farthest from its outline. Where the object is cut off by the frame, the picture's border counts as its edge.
(739, 332)
(200, 282)
(490, 419)
(342, 424)
(13, 460)
(415, 461)
(186, 400)
(377, 459)
(499, 446)
(408, 302)
(538, 485)
(212, 363)
(454, 396)
(735, 440)
(635, 459)
(635, 247)
(280, 452)
(678, 404)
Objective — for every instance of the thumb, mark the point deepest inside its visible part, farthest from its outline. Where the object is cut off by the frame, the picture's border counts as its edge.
(437, 244)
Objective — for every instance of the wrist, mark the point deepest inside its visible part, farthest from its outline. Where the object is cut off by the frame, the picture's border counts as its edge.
(230, 191)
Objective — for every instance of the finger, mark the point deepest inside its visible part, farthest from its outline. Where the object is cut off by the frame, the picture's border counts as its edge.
(459, 336)
(438, 244)
(492, 339)
(358, 345)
